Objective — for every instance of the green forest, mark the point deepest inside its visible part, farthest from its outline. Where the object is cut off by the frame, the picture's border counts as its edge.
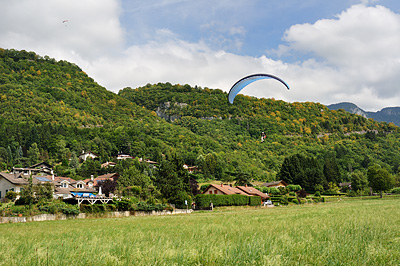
(52, 111)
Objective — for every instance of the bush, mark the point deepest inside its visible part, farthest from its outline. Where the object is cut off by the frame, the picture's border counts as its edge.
(302, 193)
(254, 201)
(317, 194)
(204, 200)
(11, 195)
(203, 187)
(295, 201)
(180, 199)
(396, 190)
(274, 191)
(294, 188)
(126, 204)
(352, 193)
(292, 194)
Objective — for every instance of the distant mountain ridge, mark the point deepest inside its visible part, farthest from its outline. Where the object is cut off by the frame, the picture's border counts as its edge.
(388, 114)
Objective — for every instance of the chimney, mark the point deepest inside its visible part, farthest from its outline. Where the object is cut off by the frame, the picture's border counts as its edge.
(222, 185)
(245, 185)
(91, 177)
(52, 175)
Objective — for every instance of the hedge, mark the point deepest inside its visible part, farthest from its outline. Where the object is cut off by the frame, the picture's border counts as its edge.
(204, 200)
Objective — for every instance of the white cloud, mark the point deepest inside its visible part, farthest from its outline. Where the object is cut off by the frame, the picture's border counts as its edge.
(92, 28)
(360, 50)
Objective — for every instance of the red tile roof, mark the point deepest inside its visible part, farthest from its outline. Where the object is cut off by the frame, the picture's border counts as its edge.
(253, 191)
(227, 190)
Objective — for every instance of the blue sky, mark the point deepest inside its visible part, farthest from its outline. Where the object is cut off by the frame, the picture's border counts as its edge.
(327, 51)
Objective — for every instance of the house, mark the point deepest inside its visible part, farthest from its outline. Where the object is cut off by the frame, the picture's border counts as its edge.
(253, 192)
(108, 164)
(89, 154)
(11, 182)
(276, 184)
(124, 156)
(42, 168)
(16, 182)
(95, 182)
(65, 187)
(223, 190)
(190, 169)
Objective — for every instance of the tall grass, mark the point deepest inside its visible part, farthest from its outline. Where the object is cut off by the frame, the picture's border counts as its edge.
(357, 232)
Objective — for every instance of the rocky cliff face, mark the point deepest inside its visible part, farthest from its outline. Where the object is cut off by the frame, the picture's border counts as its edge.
(388, 114)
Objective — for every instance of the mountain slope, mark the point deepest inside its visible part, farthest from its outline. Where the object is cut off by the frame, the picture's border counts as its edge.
(388, 114)
(57, 107)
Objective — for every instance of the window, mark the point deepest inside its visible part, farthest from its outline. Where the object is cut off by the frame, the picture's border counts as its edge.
(80, 185)
(0, 194)
(210, 192)
(64, 184)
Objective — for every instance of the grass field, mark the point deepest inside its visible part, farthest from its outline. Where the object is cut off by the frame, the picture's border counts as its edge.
(356, 232)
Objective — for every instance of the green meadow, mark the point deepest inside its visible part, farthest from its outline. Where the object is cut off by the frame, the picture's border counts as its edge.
(347, 232)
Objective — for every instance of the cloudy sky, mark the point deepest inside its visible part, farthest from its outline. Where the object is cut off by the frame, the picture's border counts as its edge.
(327, 51)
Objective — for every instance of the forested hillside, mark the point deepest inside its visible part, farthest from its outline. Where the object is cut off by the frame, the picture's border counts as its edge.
(51, 110)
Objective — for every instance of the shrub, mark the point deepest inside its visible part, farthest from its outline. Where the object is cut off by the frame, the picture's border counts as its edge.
(294, 188)
(317, 194)
(70, 210)
(283, 190)
(180, 199)
(254, 201)
(302, 193)
(11, 195)
(396, 190)
(204, 200)
(295, 201)
(285, 200)
(292, 194)
(274, 191)
(352, 193)
(203, 187)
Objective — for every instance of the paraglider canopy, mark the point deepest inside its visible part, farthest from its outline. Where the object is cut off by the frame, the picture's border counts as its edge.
(238, 86)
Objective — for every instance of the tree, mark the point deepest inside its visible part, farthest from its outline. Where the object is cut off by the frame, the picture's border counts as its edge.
(172, 178)
(33, 154)
(74, 162)
(331, 169)
(134, 177)
(301, 170)
(379, 178)
(359, 181)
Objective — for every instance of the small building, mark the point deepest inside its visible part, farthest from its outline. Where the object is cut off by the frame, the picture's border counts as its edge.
(16, 182)
(42, 168)
(108, 164)
(124, 156)
(276, 184)
(86, 155)
(95, 182)
(11, 182)
(190, 169)
(223, 190)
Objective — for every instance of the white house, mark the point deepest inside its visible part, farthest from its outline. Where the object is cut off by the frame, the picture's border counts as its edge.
(89, 154)
(11, 182)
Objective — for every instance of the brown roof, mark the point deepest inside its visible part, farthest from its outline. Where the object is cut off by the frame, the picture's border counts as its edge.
(253, 191)
(111, 176)
(16, 179)
(274, 183)
(20, 179)
(227, 190)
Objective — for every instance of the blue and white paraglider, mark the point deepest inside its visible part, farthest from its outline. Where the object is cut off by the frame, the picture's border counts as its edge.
(238, 86)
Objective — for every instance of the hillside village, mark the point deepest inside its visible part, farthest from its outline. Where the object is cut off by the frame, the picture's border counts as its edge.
(90, 189)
